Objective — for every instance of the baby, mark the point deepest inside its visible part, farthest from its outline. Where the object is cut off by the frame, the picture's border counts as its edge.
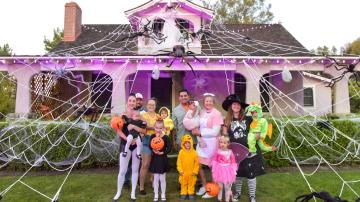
(133, 134)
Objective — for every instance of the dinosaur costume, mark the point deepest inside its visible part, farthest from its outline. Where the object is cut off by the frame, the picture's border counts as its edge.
(188, 164)
(259, 125)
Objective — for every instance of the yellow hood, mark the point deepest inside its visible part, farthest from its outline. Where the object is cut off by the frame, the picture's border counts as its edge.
(187, 138)
(168, 111)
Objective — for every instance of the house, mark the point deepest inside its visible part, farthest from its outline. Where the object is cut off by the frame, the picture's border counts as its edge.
(102, 64)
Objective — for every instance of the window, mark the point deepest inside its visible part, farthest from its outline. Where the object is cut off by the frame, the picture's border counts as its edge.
(308, 97)
(158, 25)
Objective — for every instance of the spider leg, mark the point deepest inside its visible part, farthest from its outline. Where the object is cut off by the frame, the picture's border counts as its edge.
(192, 69)
(171, 63)
(336, 79)
(195, 58)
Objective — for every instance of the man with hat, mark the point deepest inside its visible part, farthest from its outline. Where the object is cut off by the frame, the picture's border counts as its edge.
(139, 102)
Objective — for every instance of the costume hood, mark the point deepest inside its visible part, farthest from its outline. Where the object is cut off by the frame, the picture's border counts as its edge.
(254, 107)
(187, 138)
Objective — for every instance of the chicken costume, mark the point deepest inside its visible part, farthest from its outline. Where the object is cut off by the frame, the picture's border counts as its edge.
(188, 164)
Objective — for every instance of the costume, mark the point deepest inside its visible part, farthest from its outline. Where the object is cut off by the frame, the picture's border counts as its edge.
(259, 125)
(133, 134)
(159, 166)
(150, 120)
(224, 167)
(159, 163)
(250, 167)
(123, 166)
(188, 164)
(192, 121)
(210, 124)
(168, 123)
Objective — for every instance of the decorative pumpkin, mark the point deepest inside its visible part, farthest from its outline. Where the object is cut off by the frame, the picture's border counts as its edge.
(212, 188)
(157, 143)
(117, 123)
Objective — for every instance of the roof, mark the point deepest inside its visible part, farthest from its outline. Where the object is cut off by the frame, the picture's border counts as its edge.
(227, 40)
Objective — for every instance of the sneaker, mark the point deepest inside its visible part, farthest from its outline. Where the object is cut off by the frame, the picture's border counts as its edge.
(207, 196)
(182, 197)
(156, 199)
(142, 192)
(236, 197)
(163, 199)
(139, 156)
(252, 199)
(201, 191)
(124, 154)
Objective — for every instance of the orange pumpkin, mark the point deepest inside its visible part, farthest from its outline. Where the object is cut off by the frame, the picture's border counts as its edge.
(212, 188)
(117, 123)
(157, 143)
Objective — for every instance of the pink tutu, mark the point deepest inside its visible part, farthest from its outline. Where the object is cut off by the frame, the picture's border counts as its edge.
(223, 173)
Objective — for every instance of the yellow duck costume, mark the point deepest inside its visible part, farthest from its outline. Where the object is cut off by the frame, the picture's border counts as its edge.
(168, 123)
(188, 166)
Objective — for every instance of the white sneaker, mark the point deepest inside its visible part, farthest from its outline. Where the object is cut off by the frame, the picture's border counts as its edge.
(201, 191)
(207, 196)
(252, 199)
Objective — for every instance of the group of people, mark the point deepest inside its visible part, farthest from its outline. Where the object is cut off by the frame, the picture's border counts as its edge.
(203, 137)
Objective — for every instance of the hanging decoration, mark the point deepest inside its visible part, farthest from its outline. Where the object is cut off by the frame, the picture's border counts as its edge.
(286, 75)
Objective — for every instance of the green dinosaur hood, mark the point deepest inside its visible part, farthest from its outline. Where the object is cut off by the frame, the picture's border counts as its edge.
(254, 107)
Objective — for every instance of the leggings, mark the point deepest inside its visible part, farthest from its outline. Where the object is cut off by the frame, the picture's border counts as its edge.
(228, 192)
(123, 166)
(162, 179)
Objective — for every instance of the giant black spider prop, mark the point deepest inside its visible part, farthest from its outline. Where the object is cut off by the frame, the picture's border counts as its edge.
(346, 69)
(179, 52)
(326, 197)
(145, 31)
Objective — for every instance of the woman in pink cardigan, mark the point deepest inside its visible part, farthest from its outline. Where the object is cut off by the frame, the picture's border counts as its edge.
(209, 131)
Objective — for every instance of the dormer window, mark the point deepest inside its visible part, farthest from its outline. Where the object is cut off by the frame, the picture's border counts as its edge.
(185, 26)
(158, 26)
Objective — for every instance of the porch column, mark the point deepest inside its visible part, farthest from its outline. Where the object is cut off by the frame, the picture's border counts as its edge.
(118, 75)
(23, 75)
(252, 83)
(341, 97)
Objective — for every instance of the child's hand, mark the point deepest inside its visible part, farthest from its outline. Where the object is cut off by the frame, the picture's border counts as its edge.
(274, 148)
(257, 136)
(155, 151)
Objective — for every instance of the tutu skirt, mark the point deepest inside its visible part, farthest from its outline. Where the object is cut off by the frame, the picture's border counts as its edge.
(223, 173)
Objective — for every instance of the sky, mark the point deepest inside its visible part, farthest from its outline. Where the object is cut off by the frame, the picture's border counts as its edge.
(313, 23)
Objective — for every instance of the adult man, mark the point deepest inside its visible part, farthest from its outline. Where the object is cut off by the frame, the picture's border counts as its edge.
(178, 117)
(139, 102)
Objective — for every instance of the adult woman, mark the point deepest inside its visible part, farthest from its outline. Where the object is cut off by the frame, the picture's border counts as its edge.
(124, 159)
(210, 125)
(150, 117)
(237, 125)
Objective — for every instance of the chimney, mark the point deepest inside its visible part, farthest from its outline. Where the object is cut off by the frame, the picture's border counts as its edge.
(72, 22)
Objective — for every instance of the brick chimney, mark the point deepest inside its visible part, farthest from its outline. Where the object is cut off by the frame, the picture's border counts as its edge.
(72, 22)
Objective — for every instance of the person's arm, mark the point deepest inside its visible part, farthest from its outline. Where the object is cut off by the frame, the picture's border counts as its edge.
(196, 165)
(179, 163)
(210, 132)
(137, 128)
(264, 128)
(121, 134)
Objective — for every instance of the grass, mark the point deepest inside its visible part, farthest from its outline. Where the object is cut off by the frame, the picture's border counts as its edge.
(101, 186)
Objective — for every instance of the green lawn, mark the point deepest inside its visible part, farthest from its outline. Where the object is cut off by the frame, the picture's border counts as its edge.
(92, 186)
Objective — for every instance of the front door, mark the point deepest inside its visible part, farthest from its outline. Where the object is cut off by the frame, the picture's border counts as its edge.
(161, 90)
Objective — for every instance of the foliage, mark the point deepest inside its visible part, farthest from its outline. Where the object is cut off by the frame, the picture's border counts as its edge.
(57, 38)
(7, 94)
(5, 50)
(352, 48)
(325, 50)
(354, 94)
(241, 11)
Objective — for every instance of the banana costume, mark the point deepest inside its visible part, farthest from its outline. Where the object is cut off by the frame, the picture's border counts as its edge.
(168, 123)
(258, 125)
(187, 165)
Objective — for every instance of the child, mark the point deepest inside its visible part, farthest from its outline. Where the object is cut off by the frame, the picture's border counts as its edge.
(224, 167)
(165, 116)
(133, 134)
(192, 119)
(159, 161)
(188, 167)
(258, 130)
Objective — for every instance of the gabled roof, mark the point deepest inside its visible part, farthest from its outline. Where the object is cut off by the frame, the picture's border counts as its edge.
(227, 40)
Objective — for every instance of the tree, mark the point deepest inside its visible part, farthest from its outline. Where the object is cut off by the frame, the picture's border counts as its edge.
(5, 50)
(352, 48)
(354, 93)
(324, 50)
(241, 11)
(58, 36)
(7, 86)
